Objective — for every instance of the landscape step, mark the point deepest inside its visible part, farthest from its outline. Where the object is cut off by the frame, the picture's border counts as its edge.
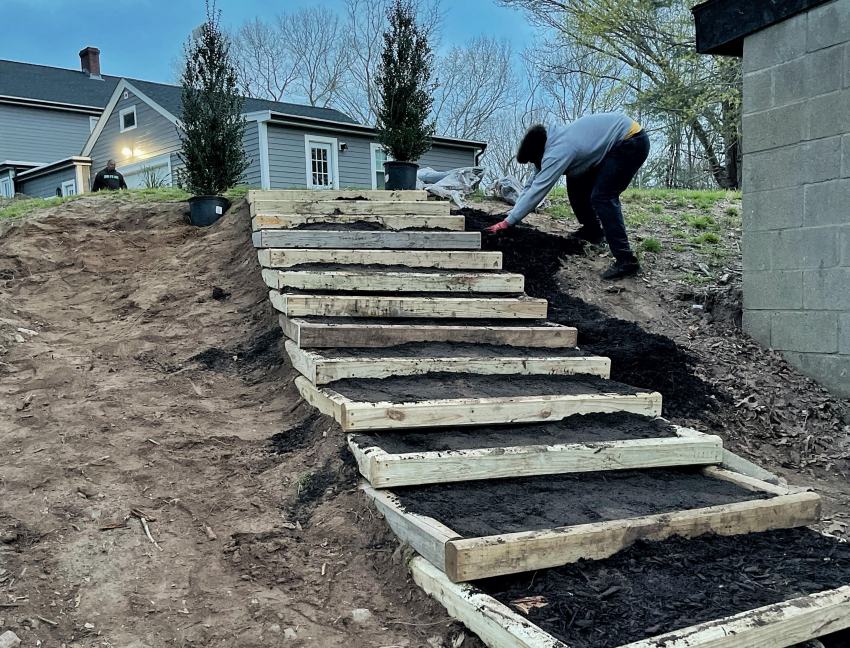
(339, 333)
(351, 207)
(356, 412)
(432, 259)
(370, 280)
(328, 194)
(325, 368)
(300, 305)
(464, 558)
(367, 239)
(391, 222)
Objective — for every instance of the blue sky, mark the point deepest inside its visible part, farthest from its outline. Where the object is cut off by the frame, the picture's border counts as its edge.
(143, 38)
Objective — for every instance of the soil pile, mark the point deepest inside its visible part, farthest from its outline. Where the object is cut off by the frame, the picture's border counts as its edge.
(638, 357)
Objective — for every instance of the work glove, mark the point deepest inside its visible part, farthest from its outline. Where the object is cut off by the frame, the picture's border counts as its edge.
(498, 227)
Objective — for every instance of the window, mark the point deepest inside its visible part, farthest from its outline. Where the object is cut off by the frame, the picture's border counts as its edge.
(69, 188)
(127, 118)
(322, 164)
(379, 156)
(92, 123)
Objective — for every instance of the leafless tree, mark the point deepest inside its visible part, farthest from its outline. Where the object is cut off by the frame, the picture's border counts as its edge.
(264, 63)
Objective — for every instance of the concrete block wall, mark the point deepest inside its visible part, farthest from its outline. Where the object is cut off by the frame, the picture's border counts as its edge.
(796, 183)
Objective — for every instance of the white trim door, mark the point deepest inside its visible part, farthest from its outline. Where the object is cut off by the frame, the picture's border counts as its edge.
(69, 188)
(378, 155)
(7, 187)
(322, 165)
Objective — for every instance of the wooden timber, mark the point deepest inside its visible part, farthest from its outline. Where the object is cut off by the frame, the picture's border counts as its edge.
(773, 626)
(510, 553)
(368, 280)
(346, 194)
(357, 415)
(350, 207)
(439, 259)
(320, 369)
(389, 221)
(306, 305)
(334, 334)
(369, 239)
(385, 470)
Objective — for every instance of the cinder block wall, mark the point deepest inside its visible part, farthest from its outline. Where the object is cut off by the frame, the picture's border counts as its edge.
(796, 140)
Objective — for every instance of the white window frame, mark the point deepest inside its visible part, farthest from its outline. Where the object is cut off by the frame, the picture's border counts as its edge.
(373, 147)
(93, 123)
(127, 111)
(7, 182)
(334, 161)
(69, 188)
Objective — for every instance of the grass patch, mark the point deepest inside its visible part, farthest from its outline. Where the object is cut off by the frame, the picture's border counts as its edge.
(559, 210)
(701, 222)
(709, 238)
(652, 245)
(24, 207)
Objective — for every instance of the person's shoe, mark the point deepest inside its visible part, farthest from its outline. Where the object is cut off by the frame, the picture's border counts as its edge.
(585, 233)
(621, 269)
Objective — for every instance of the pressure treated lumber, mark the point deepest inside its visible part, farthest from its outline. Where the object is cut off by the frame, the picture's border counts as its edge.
(510, 553)
(440, 259)
(357, 415)
(350, 207)
(369, 239)
(385, 470)
(327, 194)
(320, 369)
(773, 626)
(305, 305)
(370, 280)
(333, 333)
(265, 220)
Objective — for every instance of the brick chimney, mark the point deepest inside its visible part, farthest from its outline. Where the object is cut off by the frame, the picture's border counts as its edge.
(90, 61)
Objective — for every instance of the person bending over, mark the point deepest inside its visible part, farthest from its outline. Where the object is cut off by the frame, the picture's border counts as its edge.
(599, 154)
(109, 178)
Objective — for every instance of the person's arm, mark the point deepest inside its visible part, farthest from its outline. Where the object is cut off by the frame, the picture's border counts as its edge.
(537, 189)
(121, 183)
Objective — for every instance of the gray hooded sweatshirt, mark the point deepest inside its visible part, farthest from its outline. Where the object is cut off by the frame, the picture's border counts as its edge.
(571, 150)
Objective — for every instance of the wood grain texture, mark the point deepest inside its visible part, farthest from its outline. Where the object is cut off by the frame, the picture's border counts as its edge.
(391, 222)
(435, 259)
(350, 207)
(345, 194)
(358, 239)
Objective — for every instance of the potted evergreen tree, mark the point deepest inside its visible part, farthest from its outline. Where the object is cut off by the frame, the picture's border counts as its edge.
(406, 95)
(211, 138)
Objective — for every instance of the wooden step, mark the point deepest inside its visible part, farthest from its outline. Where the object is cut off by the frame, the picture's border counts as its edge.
(339, 333)
(390, 222)
(367, 239)
(470, 558)
(532, 402)
(350, 207)
(779, 625)
(522, 456)
(444, 260)
(350, 278)
(321, 368)
(328, 194)
(300, 305)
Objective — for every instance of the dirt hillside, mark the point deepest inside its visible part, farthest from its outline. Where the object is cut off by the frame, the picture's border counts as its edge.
(142, 375)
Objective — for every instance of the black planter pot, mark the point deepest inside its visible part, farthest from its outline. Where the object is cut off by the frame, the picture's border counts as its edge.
(400, 175)
(206, 210)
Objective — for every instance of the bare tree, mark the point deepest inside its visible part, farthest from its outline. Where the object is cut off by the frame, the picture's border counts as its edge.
(475, 82)
(264, 64)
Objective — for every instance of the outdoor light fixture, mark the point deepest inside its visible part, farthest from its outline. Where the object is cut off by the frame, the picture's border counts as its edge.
(127, 152)
(343, 147)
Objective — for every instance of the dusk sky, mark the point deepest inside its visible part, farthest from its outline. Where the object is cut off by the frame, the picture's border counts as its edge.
(143, 38)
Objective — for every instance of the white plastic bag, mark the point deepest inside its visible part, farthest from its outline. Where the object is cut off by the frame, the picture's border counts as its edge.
(454, 185)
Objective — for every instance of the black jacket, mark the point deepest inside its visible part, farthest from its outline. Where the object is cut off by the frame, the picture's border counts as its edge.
(108, 180)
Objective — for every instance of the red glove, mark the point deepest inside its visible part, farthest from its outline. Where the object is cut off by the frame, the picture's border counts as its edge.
(498, 227)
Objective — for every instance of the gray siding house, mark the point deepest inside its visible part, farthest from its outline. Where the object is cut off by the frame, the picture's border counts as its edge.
(59, 127)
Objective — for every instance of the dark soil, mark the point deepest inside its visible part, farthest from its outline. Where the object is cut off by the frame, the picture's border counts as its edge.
(588, 428)
(638, 357)
(262, 352)
(656, 587)
(482, 508)
(405, 389)
(452, 350)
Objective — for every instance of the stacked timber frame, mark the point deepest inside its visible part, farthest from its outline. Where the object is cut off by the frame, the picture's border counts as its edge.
(386, 299)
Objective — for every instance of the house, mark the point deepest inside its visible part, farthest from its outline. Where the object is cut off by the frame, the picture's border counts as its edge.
(58, 127)
(796, 183)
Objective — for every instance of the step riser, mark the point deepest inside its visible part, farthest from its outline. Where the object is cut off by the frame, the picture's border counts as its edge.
(419, 240)
(314, 195)
(333, 280)
(317, 336)
(287, 258)
(273, 221)
(294, 305)
(350, 207)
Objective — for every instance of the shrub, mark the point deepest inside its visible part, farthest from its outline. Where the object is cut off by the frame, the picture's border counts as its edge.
(651, 245)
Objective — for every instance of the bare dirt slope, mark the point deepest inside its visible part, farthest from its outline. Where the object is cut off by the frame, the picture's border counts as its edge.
(141, 374)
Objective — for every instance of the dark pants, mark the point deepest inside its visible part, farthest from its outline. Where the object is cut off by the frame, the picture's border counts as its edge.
(595, 195)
